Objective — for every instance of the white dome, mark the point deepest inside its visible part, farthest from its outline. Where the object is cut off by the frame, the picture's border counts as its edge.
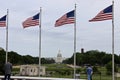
(59, 54)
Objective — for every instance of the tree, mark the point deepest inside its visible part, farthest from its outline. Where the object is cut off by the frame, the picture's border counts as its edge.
(47, 61)
(109, 68)
(2, 60)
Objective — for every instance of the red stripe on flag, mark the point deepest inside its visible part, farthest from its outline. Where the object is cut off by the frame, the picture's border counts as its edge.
(64, 20)
(2, 23)
(30, 22)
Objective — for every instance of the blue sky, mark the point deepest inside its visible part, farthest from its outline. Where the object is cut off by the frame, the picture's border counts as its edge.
(90, 35)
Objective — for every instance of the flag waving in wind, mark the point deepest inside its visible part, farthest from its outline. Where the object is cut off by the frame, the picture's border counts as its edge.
(105, 14)
(32, 21)
(3, 21)
(68, 18)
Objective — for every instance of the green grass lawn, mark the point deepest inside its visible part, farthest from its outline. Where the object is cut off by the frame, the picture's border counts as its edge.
(96, 76)
(102, 76)
(59, 71)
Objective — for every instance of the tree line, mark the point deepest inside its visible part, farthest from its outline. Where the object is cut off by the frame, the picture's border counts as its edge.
(93, 57)
(17, 59)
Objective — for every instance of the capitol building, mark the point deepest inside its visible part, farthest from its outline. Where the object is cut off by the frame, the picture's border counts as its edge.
(59, 58)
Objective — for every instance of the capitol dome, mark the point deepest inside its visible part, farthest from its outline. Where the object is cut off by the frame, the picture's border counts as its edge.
(59, 55)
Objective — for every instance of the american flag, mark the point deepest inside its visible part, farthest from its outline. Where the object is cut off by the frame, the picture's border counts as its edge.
(32, 21)
(3, 21)
(68, 18)
(105, 14)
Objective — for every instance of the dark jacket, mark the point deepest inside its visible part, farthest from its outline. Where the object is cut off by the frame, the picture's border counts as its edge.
(8, 68)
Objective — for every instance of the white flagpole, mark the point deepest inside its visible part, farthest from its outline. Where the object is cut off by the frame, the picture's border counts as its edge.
(113, 73)
(7, 37)
(40, 40)
(75, 43)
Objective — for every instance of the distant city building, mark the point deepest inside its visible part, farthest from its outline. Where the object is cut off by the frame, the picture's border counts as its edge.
(59, 58)
(82, 50)
(31, 70)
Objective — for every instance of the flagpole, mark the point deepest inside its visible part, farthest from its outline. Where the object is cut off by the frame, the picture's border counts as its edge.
(7, 37)
(40, 41)
(75, 43)
(113, 73)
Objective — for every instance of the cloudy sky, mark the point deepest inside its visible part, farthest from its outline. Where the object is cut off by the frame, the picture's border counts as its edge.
(90, 35)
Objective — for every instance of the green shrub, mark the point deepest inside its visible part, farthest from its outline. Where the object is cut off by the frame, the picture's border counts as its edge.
(109, 68)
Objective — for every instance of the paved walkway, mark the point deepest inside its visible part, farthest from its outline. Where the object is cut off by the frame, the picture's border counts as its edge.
(37, 78)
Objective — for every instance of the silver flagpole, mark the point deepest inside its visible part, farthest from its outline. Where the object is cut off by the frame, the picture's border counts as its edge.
(75, 44)
(113, 73)
(40, 40)
(7, 37)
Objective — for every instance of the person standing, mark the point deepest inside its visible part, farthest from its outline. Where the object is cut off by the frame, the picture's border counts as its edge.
(7, 69)
(89, 72)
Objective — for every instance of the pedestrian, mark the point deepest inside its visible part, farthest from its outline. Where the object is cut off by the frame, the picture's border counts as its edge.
(7, 69)
(89, 72)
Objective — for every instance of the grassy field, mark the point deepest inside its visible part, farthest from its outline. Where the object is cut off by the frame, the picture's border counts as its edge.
(63, 71)
(102, 76)
(96, 76)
